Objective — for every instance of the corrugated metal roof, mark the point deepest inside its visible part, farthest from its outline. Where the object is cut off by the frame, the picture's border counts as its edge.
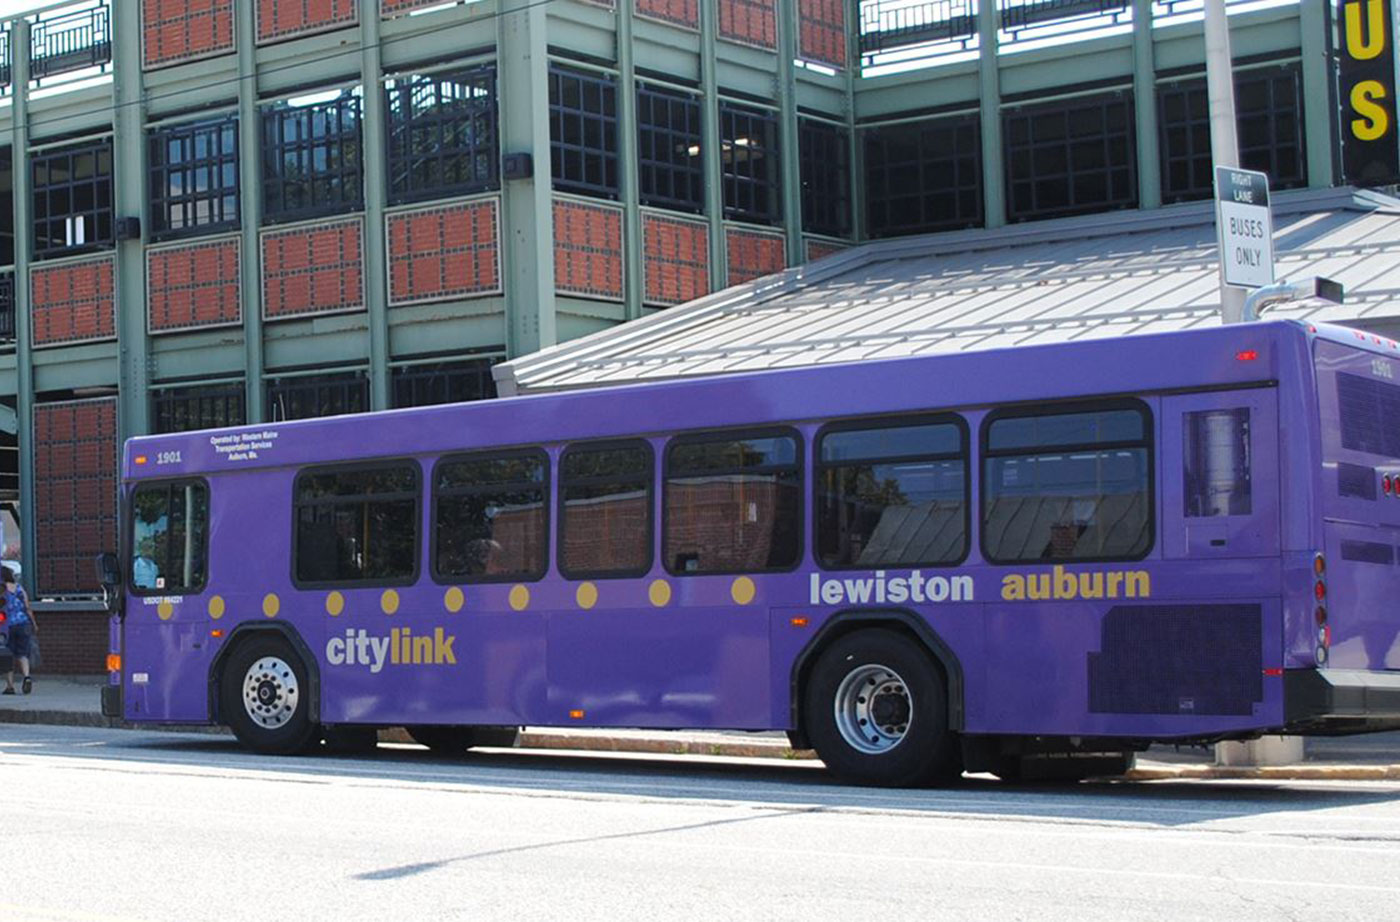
(1077, 278)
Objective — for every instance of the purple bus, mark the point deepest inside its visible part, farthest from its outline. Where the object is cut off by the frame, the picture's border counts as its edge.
(1011, 561)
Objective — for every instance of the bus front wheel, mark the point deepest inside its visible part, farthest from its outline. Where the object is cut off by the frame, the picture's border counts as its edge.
(877, 712)
(263, 697)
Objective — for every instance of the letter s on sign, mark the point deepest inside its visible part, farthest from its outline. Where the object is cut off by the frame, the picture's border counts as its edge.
(1374, 123)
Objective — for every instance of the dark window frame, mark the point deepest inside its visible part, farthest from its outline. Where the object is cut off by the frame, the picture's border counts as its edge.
(343, 380)
(170, 485)
(341, 189)
(748, 195)
(570, 155)
(160, 170)
(824, 183)
(653, 136)
(546, 491)
(165, 398)
(1148, 444)
(1034, 151)
(376, 464)
(462, 119)
(101, 214)
(894, 422)
(562, 515)
(408, 376)
(726, 435)
(882, 167)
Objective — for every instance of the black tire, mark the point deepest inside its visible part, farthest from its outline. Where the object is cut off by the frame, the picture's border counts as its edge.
(1064, 768)
(908, 690)
(454, 741)
(347, 740)
(265, 697)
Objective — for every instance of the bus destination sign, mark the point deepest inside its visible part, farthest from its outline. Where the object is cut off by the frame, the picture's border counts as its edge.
(1244, 227)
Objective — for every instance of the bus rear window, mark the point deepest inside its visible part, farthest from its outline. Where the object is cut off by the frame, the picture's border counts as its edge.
(1368, 410)
(892, 495)
(732, 504)
(170, 537)
(489, 517)
(357, 524)
(1067, 486)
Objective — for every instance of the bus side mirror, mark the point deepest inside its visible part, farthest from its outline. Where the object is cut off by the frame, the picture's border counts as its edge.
(109, 573)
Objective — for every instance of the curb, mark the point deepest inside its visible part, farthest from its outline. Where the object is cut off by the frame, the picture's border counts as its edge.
(1269, 773)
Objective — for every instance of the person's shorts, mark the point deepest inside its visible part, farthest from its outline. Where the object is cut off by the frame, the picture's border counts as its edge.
(19, 640)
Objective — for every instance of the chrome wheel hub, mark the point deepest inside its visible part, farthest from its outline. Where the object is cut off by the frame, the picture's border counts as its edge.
(270, 692)
(873, 709)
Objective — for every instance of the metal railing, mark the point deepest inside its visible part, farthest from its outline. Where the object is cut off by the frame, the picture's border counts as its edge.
(886, 25)
(70, 40)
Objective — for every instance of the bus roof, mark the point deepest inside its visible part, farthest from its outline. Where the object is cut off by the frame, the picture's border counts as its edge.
(1132, 364)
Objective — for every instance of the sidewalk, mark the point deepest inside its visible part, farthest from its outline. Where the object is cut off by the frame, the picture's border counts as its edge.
(74, 701)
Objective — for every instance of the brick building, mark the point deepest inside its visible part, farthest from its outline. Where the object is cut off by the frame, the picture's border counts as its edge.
(218, 212)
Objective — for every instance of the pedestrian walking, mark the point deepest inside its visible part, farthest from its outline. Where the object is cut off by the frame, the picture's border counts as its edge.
(22, 628)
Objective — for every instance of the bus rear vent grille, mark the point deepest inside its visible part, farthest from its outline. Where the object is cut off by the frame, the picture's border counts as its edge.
(1368, 552)
(1178, 659)
(1356, 480)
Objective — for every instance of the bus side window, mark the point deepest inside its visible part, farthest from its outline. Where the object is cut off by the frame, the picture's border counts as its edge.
(1216, 465)
(169, 537)
(357, 524)
(489, 516)
(605, 510)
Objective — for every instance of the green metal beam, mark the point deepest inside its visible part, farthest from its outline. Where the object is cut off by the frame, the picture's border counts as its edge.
(710, 143)
(129, 198)
(528, 243)
(24, 353)
(789, 143)
(1319, 110)
(1149, 154)
(376, 182)
(629, 174)
(989, 96)
(250, 206)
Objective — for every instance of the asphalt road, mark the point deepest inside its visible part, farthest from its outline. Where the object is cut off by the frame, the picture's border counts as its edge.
(110, 824)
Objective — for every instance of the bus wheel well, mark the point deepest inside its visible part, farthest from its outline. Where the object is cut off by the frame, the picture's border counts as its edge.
(898, 620)
(256, 629)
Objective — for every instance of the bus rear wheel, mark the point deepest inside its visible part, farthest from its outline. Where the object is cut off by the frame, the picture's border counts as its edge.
(876, 712)
(454, 741)
(263, 697)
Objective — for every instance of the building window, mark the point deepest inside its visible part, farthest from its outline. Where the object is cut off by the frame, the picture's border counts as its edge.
(1067, 158)
(318, 395)
(489, 517)
(583, 132)
(1269, 117)
(923, 177)
(671, 162)
(442, 134)
(169, 537)
(749, 162)
(1067, 485)
(72, 199)
(733, 503)
(312, 163)
(357, 525)
(193, 177)
(214, 406)
(443, 382)
(605, 510)
(824, 151)
(892, 494)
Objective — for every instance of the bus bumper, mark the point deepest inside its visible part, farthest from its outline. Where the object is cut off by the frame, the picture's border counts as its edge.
(1341, 697)
(111, 701)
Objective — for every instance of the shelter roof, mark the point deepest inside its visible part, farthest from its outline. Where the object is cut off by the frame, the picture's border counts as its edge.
(1096, 276)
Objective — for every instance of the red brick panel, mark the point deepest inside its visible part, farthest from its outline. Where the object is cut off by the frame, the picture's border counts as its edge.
(313, 269)
(820, 249)
(822, 36)
(72, 302)
(285, 18)
(75, 643)
(676, 259)
(445, 252)
(754, 22)
(680, 12)
(177, 30)
(588, 250)
(753, 254)
(75, 486)
(192, 286)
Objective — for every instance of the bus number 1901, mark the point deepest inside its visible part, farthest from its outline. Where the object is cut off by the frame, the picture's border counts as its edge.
(167, 457)
(1381, 368)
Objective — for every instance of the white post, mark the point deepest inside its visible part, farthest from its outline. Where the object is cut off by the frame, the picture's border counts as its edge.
(1224, 149)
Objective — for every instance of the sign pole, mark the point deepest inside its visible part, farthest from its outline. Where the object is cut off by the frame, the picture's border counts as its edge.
(1224, 149)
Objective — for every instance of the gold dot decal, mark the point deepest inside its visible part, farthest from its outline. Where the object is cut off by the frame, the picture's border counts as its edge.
(587, 595)
(454, 599)
(519, 598)
(659, 592)
(743, 590)
(271, 605)
(335, 604)
(389, 601)
(165, 610)
(216, 607)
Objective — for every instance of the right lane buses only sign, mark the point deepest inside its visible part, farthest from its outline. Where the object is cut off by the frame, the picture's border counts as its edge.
(1244, 227)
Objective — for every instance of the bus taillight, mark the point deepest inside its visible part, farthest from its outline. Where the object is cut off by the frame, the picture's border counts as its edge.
(1320, 615)
(1385, 484)
(114, 662)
